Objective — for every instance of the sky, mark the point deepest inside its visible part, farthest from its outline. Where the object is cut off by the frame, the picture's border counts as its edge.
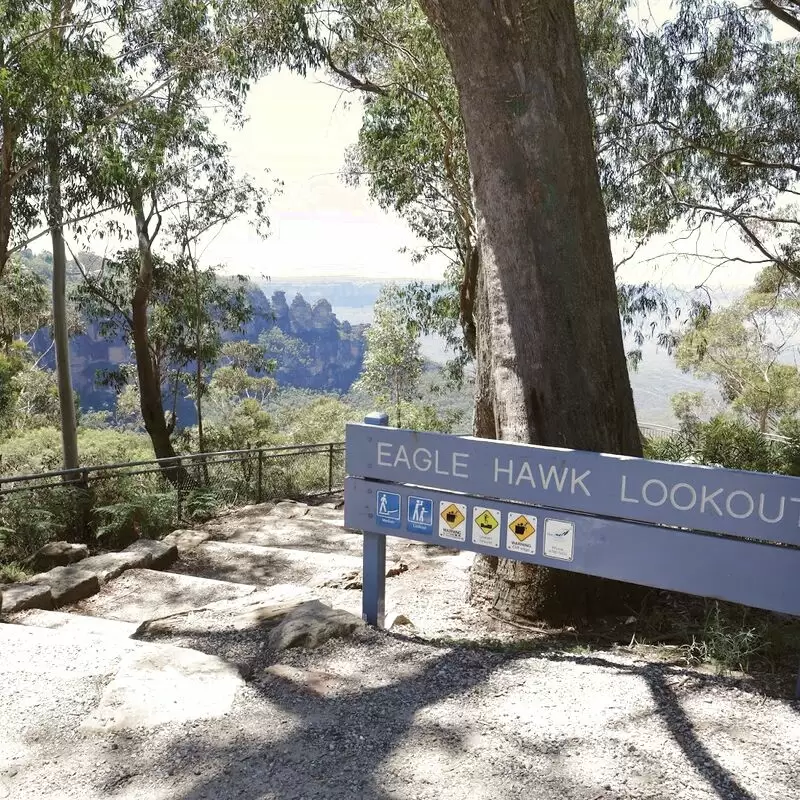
(297, 132)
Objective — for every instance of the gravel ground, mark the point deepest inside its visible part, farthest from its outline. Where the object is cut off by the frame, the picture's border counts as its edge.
(384, 717)
(391, 716)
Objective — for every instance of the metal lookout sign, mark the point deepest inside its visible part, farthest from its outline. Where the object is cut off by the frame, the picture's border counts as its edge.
(713, 532)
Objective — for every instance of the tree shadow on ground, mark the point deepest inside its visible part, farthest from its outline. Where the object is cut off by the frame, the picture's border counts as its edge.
(675, 719)
(335, 751)
(340, 745)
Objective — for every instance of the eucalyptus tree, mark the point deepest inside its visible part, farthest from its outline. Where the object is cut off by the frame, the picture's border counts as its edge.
(412, 155)
(53, 71)
(177, 337)
(393, 363)
(705, 130)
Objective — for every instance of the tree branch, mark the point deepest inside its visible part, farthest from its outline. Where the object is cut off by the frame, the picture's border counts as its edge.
(782, 14)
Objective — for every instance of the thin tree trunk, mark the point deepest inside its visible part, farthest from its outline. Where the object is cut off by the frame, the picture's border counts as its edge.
(6, 166)
(55, 220)
(201, 443)
(199, 368)
(552, 331)
(151, 400)
(397, 402)
(201, 439)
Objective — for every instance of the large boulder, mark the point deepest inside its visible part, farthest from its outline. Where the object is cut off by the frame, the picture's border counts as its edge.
(21, 596)
(67, 584)
(56, 554)
(311, 624)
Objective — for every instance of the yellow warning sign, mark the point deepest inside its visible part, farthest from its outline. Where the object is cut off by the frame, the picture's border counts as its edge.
(522, 528)
(452, 516)
(486, 522)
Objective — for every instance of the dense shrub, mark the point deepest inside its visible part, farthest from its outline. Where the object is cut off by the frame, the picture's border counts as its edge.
(721, 442)
(39, 450)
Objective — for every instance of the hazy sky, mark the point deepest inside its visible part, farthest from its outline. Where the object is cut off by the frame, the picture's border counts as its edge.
(298, 131)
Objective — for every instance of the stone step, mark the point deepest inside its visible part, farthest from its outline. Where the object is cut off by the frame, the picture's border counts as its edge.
(105, 683)
(142, 594)
(64, 585)
(301, 533)
(265, 566)
(74, 623)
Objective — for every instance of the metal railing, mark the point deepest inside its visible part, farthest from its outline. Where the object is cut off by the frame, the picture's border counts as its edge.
(114, 502)
(654, 431)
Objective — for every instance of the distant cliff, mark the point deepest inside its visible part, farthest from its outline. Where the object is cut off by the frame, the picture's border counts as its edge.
(311, 347)
(313, 350)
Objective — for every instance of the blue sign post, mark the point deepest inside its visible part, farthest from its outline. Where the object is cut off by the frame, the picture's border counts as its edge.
(719, 533)
(373, 579)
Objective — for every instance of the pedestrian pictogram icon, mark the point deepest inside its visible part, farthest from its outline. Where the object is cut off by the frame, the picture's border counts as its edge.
(387, 511)
(452, 521)
(486, 527)
(420, 515)
(452, 516)
(521, 533)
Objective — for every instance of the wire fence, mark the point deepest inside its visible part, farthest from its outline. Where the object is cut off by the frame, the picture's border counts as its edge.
(115, 503)
(654, 431)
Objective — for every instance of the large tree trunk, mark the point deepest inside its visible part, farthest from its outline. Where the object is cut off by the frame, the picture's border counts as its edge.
(550, 331)
(151, 400)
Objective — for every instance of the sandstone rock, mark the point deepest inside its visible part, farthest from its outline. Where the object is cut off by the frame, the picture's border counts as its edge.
(57, 554)
(350, 580)
(108, 566)
(146, 594)
(259, 610)
(68, 584)
(159, 684)
(73, 623)
(311, 624)
(289, 509)
(267, 614)
(161, 554)
(396, 621)
(186, 540)
(21, 596)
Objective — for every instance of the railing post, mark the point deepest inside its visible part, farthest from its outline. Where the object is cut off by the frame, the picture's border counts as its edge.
(85, 505)
(260, 476)
(179, 486)
(373, 608)
(330, 468)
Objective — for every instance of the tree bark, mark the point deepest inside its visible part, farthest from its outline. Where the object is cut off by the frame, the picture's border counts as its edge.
(151, 399)
(549, 336)
(55, 221)
(6, 175)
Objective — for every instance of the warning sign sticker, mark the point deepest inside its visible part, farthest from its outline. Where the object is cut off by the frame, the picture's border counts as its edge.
(559, 539)
(452, 521)
(521, 533)
(486, 526)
